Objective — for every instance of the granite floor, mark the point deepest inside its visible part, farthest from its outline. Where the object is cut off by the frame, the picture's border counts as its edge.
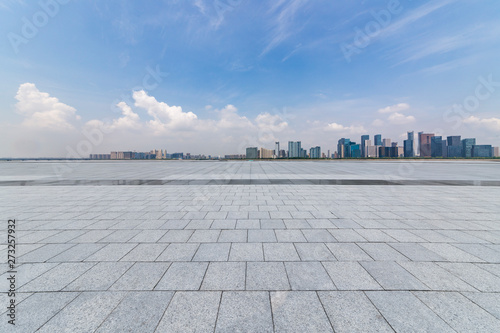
(253, 258)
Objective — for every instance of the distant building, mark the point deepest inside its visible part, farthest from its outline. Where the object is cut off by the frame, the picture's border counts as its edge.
(177, 156)
(386, 143)
(355, 150)
(377, 140)
(454, 147)
(496, 151)
(266, 153)
(342, 145)
(294, 149)
(100, 156)
(424, 143)
(276, 150)
(234, 157)
(363, 139)
(437, 146)
(409, 145)
(481, 151)
(252, 153)
(315, 152)
(467, 147)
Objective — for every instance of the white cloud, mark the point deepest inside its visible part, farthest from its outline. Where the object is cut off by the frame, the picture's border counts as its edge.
(165, 118)
(348, 129)
(229, 119)
(43, 111)
(397, 118)
(395, 108)
(492, 124)
(378, 123)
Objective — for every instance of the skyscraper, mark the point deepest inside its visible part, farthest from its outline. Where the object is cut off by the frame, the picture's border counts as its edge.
(467, 147)
(363, 139)
(294, 149)
(276, 149)
(342, 146)
(424, 143)
(408, 145)
(377, 140)
(454, 148)
(315, 152)
(436, 146)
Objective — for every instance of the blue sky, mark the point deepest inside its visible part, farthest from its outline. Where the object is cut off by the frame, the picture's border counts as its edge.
(213, 77)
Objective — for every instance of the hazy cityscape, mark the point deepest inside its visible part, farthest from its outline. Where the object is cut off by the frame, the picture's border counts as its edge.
(427, 145)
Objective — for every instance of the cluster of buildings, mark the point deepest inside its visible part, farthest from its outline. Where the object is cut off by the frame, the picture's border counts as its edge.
(426, 145)
(160, 154)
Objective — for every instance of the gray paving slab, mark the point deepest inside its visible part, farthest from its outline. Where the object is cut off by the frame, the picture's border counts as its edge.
(141, 276)
(350, 276)
(36, 310)
(314, 252)
(416, 252)
(280, 252)
(246, 252)
(77, 253)
(244, 312)
(352, 311)
(308, 276)
(176, 236)
(179, 252)
(224, 276)
(392, 276)
(406, 313)
(183, 276)
(490, 302)
(451, 253)
(85, 313)
(479, 278)
(348, 252)
(57, 278)
(137, 312)
(298, 311)
(191, 311)
(99, 277)
(290, 236)
(261, 236)
(382, 252)
(44, 253)
(459, 312)
(212, 252)
(266, 276)
(233, 236)
(112, 252)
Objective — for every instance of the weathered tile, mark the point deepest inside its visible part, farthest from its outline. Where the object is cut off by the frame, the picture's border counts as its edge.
(391, 276)
(141, 276)
(350, 276)
(308, 276)
(224, 276)
(183, 276)
(266, 276)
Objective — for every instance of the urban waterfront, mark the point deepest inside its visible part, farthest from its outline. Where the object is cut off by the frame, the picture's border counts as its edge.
(254, 246)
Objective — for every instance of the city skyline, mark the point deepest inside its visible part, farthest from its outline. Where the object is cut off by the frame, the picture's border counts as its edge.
(218, 76)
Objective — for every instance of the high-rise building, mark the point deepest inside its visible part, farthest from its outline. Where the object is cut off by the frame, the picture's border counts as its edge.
(424, 143)
(363, 139)
(481, 151)
(386, 143)
(276, 149)
(315, 152)
(355, 150)
(409, 145)
(377, 140)
(294, 149)
(252, 153)
(454, 148)
(467, 147)
(342, 150)
(496, 151)
(437, 146)
(266, 153)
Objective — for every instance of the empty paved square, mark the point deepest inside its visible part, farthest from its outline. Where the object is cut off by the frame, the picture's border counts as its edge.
(292, 246)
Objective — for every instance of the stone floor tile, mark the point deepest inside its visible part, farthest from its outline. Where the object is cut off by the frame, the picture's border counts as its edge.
(145, 252)
(246, 252)
(473, 275)
(308, 276)
(224, 276)
(350, 276)
(352, 311)
(212, 252)
(244, 311)
(112, 252)
(298, 311)
(57, 278)
(141, 276)
(290, 236)
(314, 252)
(191, 311)
(280, 252)
(179, 252)
(406, 313)
(266, 276)
(348, 252)
(99, 277)
(261, 236)
(183, 276)
(233, 236)
(391, 276)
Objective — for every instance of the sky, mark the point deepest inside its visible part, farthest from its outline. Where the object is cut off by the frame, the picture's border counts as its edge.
(214, 77)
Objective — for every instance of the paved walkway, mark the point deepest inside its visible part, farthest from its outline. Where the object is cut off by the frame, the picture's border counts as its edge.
(254, 258)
